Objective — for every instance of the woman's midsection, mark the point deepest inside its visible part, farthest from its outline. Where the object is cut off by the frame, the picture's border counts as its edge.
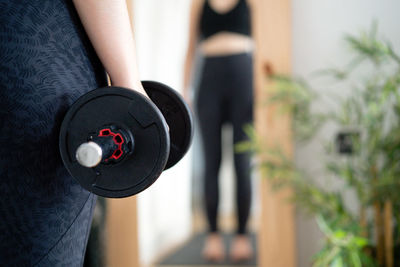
(226, 43)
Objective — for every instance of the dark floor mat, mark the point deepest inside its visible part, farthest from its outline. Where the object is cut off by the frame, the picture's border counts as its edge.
(190, 254)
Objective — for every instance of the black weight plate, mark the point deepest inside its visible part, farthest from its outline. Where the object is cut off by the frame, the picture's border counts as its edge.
(178, 117)
(126, 109)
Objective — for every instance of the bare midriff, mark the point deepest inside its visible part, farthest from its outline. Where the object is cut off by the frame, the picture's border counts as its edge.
(226, 43)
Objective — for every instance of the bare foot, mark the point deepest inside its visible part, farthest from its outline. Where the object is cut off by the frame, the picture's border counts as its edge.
(241, 249)
(214, 248)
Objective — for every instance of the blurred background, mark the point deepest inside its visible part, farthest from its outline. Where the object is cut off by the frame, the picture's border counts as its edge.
(345, 207)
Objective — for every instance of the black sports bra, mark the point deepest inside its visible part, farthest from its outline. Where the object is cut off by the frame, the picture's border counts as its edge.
(236, 20)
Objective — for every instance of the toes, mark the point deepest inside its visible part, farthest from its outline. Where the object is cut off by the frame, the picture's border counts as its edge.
(241, 249)
(214, 249)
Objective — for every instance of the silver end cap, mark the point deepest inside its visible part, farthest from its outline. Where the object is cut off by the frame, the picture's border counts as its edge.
(89, 154)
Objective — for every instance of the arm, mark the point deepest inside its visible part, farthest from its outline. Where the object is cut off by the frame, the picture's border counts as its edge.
(107, 24)
(193, 35)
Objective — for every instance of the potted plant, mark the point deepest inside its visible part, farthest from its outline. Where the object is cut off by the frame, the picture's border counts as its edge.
(365, 155)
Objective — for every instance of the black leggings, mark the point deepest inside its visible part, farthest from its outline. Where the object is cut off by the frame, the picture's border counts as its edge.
(225, 95)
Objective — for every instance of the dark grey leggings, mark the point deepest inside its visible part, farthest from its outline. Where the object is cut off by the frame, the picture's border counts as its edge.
(225, 95)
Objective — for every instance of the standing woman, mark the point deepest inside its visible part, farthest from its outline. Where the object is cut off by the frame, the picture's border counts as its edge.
(51, 53)
(221, 30)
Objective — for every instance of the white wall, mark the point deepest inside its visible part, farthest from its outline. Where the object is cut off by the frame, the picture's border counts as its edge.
(318, 30)
(164, 208)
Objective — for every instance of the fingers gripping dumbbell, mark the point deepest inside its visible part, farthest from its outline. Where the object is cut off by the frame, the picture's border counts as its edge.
(116, 142)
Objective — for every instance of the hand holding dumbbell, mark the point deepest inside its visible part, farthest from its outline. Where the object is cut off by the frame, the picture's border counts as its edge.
(116, 142)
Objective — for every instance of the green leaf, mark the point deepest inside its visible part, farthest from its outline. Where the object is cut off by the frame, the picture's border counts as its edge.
(355, 259)
(337, 262)
(360, 242)
(339, 234)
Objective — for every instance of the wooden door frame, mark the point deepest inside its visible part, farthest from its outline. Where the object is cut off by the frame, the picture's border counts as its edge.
(272, 31)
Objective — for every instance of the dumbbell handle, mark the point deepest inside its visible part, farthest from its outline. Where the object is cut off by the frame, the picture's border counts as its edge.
(108, 145)
(89, 154)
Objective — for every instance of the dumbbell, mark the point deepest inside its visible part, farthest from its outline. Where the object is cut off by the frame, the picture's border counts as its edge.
(116, 142)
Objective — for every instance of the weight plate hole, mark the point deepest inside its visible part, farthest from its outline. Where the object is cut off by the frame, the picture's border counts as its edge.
(118, 139)
(117, 153)
(105, 132)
